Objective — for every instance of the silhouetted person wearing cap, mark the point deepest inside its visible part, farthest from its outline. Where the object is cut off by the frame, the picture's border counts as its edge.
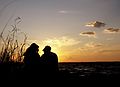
(50, 62)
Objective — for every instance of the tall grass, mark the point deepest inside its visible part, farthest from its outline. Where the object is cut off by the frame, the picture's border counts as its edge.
(12, 47)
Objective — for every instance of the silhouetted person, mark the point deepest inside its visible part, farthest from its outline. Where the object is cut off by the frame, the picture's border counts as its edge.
(50, 62)
(31, 56)
(32, 60)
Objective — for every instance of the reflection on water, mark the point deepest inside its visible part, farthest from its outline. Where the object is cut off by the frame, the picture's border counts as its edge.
(92, 69)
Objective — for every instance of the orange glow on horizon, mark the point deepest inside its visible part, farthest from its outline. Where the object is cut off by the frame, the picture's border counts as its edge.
(91, 52)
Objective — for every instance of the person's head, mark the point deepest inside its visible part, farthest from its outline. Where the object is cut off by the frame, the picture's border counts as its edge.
(34, 47)
(47, 49)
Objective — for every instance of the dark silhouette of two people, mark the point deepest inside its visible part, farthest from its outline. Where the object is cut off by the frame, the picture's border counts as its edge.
(44, 66)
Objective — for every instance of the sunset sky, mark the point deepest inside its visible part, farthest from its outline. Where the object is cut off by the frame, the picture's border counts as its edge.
(77, 30)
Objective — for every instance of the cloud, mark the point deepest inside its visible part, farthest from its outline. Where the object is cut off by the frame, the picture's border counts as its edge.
(93, 45)
(63, 12)
(89, 34)
(109, 39)
(111, 30)
(62, 41)
(110, 51)
(96, 24)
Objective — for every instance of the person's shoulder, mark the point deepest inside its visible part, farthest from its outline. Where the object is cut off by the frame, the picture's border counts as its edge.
(53, 53)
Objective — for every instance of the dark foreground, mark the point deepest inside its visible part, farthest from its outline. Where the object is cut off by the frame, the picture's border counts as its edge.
(68, 72)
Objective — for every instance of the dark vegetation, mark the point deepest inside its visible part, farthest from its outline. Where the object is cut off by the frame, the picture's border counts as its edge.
(12, 48)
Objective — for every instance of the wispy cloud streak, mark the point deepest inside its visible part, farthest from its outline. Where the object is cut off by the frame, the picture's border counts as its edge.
(88, 33)
(111, 30)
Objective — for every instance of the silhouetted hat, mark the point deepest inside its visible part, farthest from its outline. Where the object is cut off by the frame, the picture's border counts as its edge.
(47, 48)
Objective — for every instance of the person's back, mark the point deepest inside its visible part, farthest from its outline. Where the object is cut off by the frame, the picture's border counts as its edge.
(50, 59)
